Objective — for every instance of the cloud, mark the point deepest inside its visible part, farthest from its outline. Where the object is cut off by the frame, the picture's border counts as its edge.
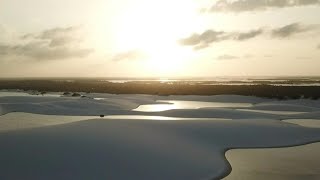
(258, 5)
(41, 51)
(200, 46)
(57, 36)
(227, 57)
(232, 57)
(291, 29)
(318, 46)
(206, 37)
(61, 36)
(52, 44)
(248, 35)
(129, 55)
(203, 40)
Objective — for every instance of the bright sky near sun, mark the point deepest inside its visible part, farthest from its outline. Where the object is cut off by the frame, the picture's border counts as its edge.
(167, 38)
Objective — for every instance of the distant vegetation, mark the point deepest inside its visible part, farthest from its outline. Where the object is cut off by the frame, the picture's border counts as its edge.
(160, 88)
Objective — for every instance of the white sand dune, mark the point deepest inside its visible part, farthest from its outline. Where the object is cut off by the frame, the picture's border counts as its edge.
(284, 107)
(312, 123)
(123, 104)
(273, 112)
(140, 149)
(20, 120)
(298, 102)
(39, 141)
(309, 115)
(12, 93)
(218, 98)
(293, 163)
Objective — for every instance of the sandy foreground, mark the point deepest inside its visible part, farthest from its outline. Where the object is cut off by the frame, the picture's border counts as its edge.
(157, 137)
(293, 163)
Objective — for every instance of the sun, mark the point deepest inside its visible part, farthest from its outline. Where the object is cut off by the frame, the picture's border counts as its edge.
(154, 27)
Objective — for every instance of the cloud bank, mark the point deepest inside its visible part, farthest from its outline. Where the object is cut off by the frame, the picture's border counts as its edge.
(52, 44)
(258, 5)
(208, 37)
(292, 29)
(205, 39)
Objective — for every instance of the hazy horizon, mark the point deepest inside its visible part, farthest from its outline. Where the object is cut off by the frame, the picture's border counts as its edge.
(196, 78)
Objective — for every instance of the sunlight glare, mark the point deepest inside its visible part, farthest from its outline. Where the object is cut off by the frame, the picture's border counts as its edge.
(154, 28)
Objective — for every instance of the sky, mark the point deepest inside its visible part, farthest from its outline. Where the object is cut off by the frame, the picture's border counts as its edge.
(167, 38)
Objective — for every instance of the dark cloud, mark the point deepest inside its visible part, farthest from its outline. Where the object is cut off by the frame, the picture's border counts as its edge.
(231, 57)
(204, 40)
(3, 31)
(53, 44)
(206, 37)
(41, 51)
(227, 57)
(255, 5)
(57, 32)
(4, 50)
(291, 29)
(200, 46)
(192, 40)
(200, 41)
(248, 35)
(57, 36)
(129, 55)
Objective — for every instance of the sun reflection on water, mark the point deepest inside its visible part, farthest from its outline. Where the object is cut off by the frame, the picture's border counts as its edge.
(187, 105)
(156, 107)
